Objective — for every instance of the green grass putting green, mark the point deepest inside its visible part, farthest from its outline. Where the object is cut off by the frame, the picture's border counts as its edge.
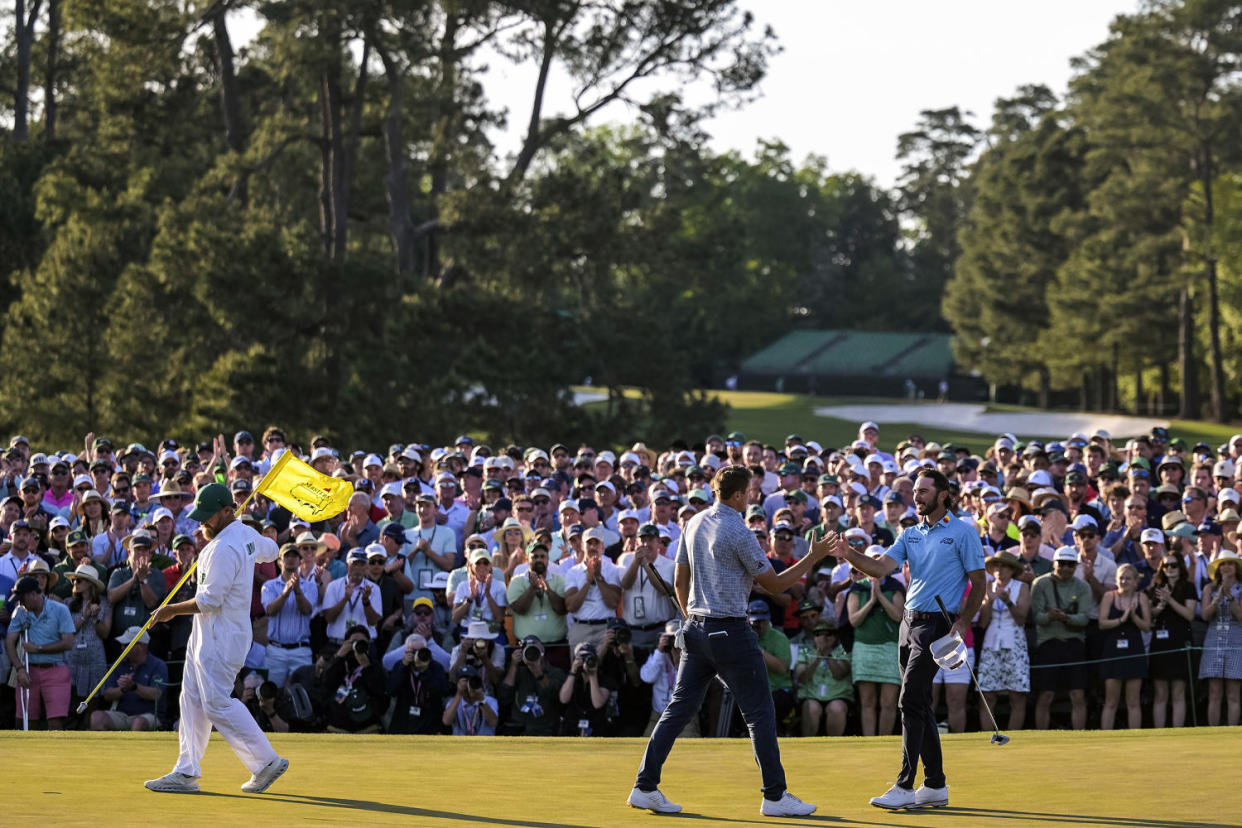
(1129, 779)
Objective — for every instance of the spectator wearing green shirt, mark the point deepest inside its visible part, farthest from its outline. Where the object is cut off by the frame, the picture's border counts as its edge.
(875, 609)
(824, 687)
(537, 601)
(776, 655)
(1061, 606)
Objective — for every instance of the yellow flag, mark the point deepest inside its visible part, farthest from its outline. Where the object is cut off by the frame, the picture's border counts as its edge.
(302, 490)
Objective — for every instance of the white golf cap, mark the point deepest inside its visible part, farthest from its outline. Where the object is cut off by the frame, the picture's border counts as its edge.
(1152, 536)
(1223, 468)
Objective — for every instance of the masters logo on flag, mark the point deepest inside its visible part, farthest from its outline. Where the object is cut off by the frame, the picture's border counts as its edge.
(302, 490)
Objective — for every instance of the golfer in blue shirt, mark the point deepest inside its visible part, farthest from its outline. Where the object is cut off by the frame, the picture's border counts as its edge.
(944, 553)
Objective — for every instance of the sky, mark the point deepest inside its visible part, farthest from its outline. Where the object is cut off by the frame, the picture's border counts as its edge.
(854, 74)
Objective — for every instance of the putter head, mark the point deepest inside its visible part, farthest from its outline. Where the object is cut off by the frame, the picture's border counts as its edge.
(1000, 739)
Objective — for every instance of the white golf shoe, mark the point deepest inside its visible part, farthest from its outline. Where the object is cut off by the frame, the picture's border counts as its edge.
(787, 805)
(173, 783)
(653, 801)
(926, 797)
(263, 780)
(895, 798)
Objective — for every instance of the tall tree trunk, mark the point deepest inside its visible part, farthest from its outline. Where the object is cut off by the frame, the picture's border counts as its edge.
(1166, 390)
(532, 140)
(400, 226)
(1219, 402)
(1189, 409)
(49, 75)
(230, 99)
(332, 146)
(23, 28)
(1140, 404)
(445, 120)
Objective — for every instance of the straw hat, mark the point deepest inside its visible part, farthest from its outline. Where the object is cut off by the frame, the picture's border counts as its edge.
(86, 572)
(510, 523)
(1224, 556)
(1017, 494)
(647, 455)
(308, 538)
(1003, 558)
(36, 565)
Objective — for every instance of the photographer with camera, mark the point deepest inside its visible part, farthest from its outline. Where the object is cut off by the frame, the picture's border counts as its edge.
(536, 599)
(355, 687)
(479, 649)
(269, 705)
(418, 685)
(585, 695)
(617, 661)
(660, 671)
(421, 622)
(471, 712)
(530, 692)
(644, 604)
(1061, 605)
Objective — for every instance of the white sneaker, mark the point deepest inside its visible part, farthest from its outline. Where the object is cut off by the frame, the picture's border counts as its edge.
(263, 780)
(926, 797)
(653, 801)
(173, 783)
(787, 805)
(895, 799)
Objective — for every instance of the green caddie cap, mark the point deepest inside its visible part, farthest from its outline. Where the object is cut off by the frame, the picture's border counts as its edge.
(211, 498)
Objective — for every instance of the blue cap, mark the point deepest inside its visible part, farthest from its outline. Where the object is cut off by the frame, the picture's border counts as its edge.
(1209, 527)
(758, 610)
(894, 497)
(870, 500)
(394, 530)
(503, 503)
(243, 435)
(465, 438)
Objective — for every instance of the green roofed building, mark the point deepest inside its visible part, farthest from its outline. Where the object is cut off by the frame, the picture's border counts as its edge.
(858, 363)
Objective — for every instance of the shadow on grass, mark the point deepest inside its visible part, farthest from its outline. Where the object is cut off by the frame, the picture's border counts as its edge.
(429, 813)
(1081, 819)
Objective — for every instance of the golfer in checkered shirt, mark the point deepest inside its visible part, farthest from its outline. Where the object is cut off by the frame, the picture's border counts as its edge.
(718, 559)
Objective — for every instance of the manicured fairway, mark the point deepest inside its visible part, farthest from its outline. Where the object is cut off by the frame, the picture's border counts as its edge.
(1143, 779)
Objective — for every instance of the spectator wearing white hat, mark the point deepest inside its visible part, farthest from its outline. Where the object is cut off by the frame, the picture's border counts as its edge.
(480, 595)
(92, 622)
(870, 433)
(592, 592)
(351, 601)
(996, 529)
(1061, 605)
(393, 498)
(1095, 565)
(134, 689)
(451, 512)
(1004, 662)
(288, 600)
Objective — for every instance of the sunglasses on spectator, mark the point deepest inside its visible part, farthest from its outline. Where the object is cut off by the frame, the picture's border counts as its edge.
(477, 546)
(1085, 533)
(1169, 564)
(1067, 563)
(541, 501)
(1031, 531)
(422, 611)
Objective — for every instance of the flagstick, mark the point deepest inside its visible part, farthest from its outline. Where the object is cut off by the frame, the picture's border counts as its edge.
(151, 618)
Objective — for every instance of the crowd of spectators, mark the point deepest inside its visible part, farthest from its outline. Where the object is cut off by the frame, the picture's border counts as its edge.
(510, 591)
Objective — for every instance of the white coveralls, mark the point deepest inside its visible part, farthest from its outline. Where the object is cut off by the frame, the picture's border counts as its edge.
(219, 641)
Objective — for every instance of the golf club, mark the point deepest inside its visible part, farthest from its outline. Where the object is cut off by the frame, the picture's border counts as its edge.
(998, 738)
(25, 691)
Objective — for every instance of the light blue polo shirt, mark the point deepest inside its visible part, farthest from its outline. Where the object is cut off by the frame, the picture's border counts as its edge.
(45, 628)
(939, 556)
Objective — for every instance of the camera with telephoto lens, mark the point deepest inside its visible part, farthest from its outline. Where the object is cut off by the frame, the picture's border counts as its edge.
(422, 656)
(531, 653)
(361, 647)
(623, 635)
(267, 690)
(475, 683)
(480, 645)
(590, 661)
